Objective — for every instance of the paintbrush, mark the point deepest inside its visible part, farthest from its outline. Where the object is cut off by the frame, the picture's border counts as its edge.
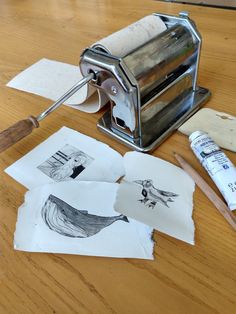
(208, 191)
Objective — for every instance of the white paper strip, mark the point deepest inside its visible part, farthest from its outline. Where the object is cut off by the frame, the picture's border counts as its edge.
(67, 155)
(51, 79)
(78, 218)
(157, 193)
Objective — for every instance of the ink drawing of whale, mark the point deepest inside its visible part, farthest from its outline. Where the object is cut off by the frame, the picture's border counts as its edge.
(71, 222)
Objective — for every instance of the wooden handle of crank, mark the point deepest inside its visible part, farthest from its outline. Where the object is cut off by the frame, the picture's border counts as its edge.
(16, 132)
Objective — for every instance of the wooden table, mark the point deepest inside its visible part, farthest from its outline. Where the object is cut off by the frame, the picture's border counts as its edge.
(183, 278)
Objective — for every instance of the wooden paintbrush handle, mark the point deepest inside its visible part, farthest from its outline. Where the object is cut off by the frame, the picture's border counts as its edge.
(16, 132)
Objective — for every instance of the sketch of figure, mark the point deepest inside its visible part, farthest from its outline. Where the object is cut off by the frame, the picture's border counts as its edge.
(72, 168)
(152, 195)
(66, 164)
(71, 222)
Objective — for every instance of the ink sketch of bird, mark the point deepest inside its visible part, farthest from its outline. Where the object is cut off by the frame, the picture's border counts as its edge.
(152, 195)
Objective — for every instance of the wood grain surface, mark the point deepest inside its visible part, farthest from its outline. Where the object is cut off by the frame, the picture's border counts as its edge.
(220, 3)
(183, 278)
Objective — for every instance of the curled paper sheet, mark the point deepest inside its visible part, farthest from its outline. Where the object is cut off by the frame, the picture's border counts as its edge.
(65, 156)
(127, 39)
(158, 194)
(78, 218)
(51, 79)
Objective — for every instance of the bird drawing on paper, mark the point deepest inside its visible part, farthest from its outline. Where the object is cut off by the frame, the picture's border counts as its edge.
(152, 195)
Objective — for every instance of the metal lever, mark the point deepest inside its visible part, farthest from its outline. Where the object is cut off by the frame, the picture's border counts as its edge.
(23, 128)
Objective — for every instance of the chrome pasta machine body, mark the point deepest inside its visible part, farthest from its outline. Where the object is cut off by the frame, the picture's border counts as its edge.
(153, 89)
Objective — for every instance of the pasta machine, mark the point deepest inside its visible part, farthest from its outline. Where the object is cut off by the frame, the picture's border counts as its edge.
(153, 89)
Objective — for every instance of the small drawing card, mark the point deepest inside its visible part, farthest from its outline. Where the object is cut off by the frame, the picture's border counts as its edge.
(158, 194)
(78, 218)
(67, 155)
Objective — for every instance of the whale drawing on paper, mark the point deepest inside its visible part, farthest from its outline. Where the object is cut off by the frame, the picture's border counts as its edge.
(152, 195)
(71, 222)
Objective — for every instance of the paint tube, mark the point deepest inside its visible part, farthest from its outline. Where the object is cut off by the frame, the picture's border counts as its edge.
(217, 164)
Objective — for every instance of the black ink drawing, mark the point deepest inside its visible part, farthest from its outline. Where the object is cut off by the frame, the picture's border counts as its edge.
(66, 164)
(152, 195)
(71, 222)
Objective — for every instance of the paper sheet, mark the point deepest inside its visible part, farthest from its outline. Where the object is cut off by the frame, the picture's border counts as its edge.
(78, 218)
(129, 38)
(51, 79)
(67, 155)
(158, 194)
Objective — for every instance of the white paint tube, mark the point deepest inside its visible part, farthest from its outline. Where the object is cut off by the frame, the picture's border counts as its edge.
(217, 164)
